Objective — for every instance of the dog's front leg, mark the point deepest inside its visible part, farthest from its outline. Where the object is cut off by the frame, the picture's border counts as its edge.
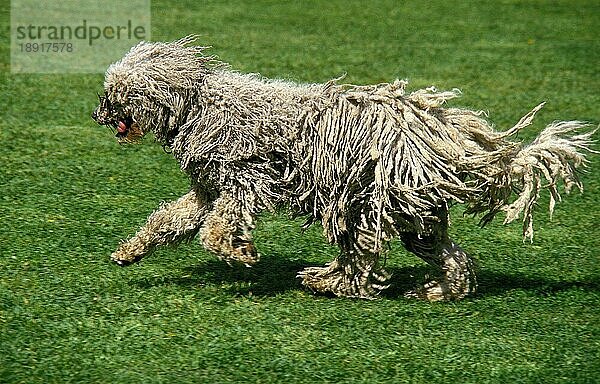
(171, 223)
(227, 230)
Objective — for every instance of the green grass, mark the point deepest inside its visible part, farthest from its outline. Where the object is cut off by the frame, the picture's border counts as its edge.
(68, 193)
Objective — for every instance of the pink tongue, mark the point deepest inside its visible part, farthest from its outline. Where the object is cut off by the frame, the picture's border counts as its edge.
(122, 127)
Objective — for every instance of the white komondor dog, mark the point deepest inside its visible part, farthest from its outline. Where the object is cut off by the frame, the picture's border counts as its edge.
(369, 163)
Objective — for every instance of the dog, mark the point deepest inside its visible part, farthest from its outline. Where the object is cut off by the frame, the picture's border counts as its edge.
(370, 163)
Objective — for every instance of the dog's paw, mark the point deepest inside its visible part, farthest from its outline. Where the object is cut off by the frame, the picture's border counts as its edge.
(332, 279)
(123, 262)
(245, 253)
(126, 254)
(238, 252)
(437, 291)
(431, 291)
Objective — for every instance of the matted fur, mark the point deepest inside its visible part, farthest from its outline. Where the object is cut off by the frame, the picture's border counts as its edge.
(368, 162)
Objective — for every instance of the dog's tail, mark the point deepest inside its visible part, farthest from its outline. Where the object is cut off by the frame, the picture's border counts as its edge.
(552, 157)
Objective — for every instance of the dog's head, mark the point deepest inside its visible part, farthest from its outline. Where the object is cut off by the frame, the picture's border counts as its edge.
(118, 117)
(148, 88)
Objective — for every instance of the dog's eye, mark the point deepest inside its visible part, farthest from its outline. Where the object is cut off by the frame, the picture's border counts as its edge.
(104, 101)
(107, 104)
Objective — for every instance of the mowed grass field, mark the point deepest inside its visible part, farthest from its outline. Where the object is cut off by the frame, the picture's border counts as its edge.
(69, 193)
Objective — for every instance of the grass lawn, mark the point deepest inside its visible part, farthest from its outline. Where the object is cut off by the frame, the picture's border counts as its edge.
(69, 193)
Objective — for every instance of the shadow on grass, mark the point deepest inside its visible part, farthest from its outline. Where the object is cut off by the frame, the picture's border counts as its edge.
(490, 283)
(494, 284)
(273, 275)
(269, 277)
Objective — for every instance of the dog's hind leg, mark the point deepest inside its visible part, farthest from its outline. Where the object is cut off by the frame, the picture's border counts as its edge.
(227, 231)
(458, 277)
(172, 223)
(354, 273)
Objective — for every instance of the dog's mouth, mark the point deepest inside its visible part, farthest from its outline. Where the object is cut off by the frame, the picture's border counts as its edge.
(115, 116)
(127, 130)
(123, 127)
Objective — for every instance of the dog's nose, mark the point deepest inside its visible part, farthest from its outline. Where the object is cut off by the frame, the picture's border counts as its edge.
(98, 116)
